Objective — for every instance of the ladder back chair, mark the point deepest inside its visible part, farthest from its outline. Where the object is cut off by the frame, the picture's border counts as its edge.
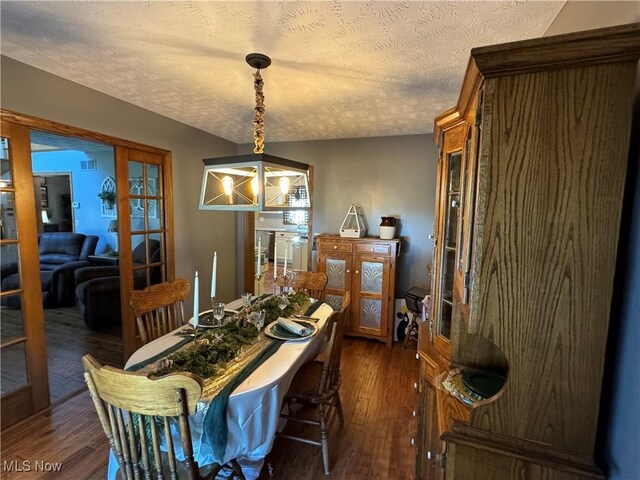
(136, 412)
(159, 308)
(312, 283)
(317, 384)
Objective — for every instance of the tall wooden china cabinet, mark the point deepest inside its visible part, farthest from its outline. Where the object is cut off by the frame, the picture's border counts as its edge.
(530, 186)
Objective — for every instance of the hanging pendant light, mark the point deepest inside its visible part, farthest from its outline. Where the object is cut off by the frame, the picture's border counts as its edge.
(255, 181)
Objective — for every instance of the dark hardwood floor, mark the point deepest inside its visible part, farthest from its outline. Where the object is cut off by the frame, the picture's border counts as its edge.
(378, 399)
(68, 339)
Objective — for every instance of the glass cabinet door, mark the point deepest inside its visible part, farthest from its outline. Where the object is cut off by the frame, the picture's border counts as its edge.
(451, 184)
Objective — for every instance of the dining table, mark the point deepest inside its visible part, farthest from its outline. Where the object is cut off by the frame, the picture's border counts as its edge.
(253, 407)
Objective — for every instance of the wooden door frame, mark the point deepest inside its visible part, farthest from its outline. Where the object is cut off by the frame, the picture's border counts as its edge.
(121, 148)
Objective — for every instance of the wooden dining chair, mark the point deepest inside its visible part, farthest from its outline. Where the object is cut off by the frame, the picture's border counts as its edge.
(136, 413)
(317, 384)
(159, 308)
(312, 283)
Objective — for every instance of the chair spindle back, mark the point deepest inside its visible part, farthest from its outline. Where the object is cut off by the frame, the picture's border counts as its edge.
(330, 379)
(159, 308)
(137, 414)
(312, 283)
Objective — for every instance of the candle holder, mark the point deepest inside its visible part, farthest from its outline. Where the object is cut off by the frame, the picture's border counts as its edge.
(287, 281)
(258, 276)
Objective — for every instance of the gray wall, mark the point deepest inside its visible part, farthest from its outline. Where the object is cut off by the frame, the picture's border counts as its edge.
(576, 16)
(387, 176)
(619, 435)
(32, 91)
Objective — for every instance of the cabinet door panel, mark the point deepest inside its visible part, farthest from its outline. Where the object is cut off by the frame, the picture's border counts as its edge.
(334, 301)
(338, 267)
(371, 295)
(370, 313)
(434, 470)
(371, 277)
(337, 270)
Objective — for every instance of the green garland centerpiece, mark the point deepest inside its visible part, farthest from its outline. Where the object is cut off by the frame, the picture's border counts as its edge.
(213, 349)
(270, 305)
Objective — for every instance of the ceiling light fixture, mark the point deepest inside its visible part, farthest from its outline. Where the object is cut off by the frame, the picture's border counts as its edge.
(255, 181)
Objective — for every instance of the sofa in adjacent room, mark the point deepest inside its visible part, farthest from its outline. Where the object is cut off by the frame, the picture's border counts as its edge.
(98, 287)
(61, 254)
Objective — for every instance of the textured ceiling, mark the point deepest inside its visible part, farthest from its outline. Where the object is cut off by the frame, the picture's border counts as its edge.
(340, 69)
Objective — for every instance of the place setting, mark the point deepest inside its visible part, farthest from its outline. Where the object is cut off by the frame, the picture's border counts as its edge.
(290, 329)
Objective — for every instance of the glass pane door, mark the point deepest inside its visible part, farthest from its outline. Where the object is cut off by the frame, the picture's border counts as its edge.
(144, 197)
(12, 334)
(23, 356)
(147, 224)
(451, 199)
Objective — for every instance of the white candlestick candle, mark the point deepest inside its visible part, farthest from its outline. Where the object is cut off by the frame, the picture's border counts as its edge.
(196, 286)
(286, 253)
(214, 269)
(259, 255)
(275, 262)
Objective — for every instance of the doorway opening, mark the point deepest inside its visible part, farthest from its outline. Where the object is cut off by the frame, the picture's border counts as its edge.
(74, 231)
(55, 201)
(280, 240)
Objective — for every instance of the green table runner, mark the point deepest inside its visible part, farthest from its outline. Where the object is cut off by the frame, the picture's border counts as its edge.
(162, 354)
(215, 420)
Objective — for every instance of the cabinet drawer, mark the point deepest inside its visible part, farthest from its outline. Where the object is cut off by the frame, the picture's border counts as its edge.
(373, 248)
(335, 247)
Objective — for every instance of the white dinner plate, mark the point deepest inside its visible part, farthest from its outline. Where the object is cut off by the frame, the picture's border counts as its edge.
(274, 330)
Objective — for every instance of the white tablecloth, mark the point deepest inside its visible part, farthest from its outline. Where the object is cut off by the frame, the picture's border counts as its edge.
(254, 407)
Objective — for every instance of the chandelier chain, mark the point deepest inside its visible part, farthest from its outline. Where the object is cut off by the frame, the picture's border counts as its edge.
(258, 118)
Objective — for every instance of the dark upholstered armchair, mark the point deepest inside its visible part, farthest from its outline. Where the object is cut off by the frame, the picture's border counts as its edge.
(98, 288)
(60, 255)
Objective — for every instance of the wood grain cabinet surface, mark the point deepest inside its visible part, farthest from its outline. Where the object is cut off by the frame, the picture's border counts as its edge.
(367, 268)
(531, 178)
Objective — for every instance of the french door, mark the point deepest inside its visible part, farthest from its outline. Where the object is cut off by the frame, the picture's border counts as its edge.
(145, 224)
(144, 197)
(25, 387)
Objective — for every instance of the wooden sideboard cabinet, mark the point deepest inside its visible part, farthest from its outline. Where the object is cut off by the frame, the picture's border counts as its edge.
(366, 267)
(531, 175)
